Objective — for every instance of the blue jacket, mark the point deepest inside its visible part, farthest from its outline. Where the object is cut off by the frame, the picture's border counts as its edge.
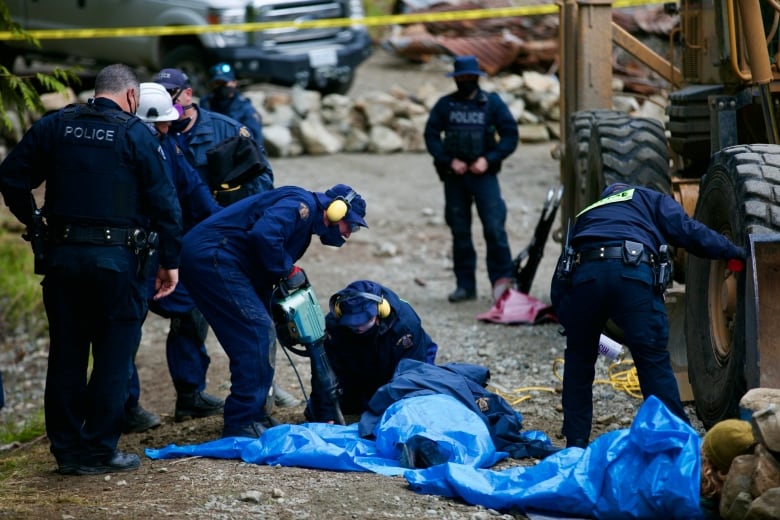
(239, 108)
(364, 362)
(267, 233)
(444, 117)
(48, 151)
(651, 218)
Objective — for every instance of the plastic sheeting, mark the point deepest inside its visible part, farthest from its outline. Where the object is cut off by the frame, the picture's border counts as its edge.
(651, 470)
(459, 433)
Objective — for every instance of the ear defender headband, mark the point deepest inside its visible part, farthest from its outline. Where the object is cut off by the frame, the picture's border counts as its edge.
(382, 306)
(339, 207)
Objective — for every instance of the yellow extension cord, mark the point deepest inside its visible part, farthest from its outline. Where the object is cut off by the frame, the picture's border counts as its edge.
(620, 379)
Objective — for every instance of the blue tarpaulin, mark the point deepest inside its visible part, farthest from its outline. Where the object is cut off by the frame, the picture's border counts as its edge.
(651, 471)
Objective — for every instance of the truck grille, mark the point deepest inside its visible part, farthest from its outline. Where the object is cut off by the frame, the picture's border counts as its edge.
(303, 11)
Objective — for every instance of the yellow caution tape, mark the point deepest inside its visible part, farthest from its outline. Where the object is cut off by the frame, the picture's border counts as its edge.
(399, 19)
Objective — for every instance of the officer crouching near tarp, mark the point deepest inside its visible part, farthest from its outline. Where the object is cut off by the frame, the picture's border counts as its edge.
(612, 267)
(107, 193)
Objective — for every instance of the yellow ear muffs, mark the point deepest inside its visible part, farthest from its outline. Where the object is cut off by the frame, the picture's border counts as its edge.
(339, 207)
(383, 307)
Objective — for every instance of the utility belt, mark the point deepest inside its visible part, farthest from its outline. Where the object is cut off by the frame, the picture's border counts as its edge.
(630, 252)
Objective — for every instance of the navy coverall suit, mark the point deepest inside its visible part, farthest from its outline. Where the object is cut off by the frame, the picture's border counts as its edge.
(465, 129)
(600, 289)
(364, 362)
(188, 359)
(103, 169)
(239, 108)
(230, 264)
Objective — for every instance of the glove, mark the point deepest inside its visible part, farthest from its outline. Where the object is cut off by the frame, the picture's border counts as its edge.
(294, 279)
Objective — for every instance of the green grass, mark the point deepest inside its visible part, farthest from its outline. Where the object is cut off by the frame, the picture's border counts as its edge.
(21, 305)
(32, 428)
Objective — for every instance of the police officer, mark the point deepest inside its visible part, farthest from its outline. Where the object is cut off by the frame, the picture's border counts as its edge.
(615, 246)
(188, 361)
(226, 99)
(369, 331)
(461, 136)
(106, 190)
(231, 263)
(198, 130)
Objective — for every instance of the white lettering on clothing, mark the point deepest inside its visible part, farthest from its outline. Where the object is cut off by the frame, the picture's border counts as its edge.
(467, 117)
(89, 133)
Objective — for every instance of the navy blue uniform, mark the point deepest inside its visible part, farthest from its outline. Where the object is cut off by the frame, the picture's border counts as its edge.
(465, 129)
(364, 362)
(103, 170)
(601, 289)
(210, 129)
(230, 264)
(237, 107)
(185, 348)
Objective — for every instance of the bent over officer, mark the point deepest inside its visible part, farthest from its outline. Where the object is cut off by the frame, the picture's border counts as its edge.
(231, 263)
(461, 136)
(106, 191)
(615, 245)
(369, 330)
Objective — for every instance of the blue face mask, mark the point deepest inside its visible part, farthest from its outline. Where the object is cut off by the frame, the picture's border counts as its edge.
(332, 236)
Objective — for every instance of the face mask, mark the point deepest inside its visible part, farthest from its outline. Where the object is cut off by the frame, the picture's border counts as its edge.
(332, 237)
(225, 92)
(180, 124)
(467, 88)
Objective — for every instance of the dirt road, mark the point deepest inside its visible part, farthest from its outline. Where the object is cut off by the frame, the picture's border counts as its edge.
(406, 248)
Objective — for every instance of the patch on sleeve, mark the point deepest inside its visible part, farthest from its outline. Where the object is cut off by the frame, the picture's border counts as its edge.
(405, 341)
(303, 211)
(244, 132)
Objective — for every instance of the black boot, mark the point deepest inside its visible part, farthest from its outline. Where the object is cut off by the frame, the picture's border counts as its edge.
(138, 420)
(197, 404)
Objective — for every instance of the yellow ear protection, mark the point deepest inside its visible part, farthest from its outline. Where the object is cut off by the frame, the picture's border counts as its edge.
(339, 207)
(382, 306)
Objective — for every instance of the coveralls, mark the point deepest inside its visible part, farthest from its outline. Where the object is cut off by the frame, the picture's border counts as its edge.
(230, 264)
(601, 289)
(364, 362)
(238, 107)
(103, 171)
(468, 127)
(185, 349)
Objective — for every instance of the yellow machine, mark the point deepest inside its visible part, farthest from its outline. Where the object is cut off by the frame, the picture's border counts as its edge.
(718, 155)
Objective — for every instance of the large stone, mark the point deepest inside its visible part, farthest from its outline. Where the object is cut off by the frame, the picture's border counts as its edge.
(766, 427)
(278, 141)
(384, 140)
(736, 486)
(766, 475)
(765, 507)
(317, 139)
(759, 398)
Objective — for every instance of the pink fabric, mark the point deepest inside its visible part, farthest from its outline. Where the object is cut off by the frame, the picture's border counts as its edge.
(517, 308)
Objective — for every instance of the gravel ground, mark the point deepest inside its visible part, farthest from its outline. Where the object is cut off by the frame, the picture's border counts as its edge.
(406, 248)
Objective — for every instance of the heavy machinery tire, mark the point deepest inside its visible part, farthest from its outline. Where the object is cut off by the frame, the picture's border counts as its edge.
(736, 198)
(631, 150)
(577, 190)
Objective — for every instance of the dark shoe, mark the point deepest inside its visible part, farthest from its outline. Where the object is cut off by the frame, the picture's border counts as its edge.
(576, 443)
(197, 404)
(116, 463)
(138, 420)
(283, 398)
(461, 295)
(254, 430)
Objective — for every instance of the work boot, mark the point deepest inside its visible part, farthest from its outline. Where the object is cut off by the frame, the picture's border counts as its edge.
(576, 443)
(138, 419)
(197, 404)
(283, 398)
(254, 430)
(115, 463)
(461, 295)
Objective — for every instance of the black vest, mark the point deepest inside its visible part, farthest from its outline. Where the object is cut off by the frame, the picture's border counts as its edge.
(469, 134)
(92, 184)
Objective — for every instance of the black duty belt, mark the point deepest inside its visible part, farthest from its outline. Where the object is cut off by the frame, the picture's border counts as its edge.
(606, 253)
(103, 235)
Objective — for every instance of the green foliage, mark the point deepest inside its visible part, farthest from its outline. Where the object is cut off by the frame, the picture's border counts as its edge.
(20, 291)
(20, 93)
(32, 428)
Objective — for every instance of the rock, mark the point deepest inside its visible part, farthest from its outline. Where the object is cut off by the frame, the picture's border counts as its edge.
(737, 486)
(766, 427)
(766, 475)
(765, 507)
(252, 496)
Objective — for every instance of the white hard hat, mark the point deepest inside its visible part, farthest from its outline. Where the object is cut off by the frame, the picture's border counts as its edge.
(155, 104)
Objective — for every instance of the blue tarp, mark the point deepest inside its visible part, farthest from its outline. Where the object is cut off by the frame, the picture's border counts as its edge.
(651, 470)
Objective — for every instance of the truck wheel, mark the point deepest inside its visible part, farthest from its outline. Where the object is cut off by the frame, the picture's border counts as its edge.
(735, 198)
(191, 60)
(630, 150)
(578, 193)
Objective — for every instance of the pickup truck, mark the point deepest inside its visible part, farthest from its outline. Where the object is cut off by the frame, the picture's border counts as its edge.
(321, 59)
